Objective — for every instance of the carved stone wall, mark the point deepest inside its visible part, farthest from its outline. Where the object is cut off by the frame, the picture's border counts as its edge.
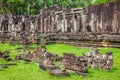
(104, 18)
(95, 20)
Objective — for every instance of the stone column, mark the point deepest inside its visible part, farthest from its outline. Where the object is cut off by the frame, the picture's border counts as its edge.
(52, 21)
(45, 25)
(75, 22)
(41, 23)
(49, 24)
(115, 22)
(84, 22)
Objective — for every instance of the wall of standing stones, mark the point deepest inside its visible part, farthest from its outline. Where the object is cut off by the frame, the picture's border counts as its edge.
(98, 23)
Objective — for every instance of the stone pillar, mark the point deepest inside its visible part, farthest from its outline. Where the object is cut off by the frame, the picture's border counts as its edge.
(62, 25)
(84, 23)
(75, 22)
(53, 24)
(0, 22)
(38, 23)
(27, 25)
(45, 25)
(115, 22)
(78, 22)
(41, 23)
(53, 21)
(65, 22)
(10, 25)
(57, 22)
(49, 24)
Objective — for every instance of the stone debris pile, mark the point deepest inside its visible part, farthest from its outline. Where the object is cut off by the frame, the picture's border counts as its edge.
(7, 65)
(97, 60)
(40, 55)
(59, 72)
(25, 56)
(46, 62)
(76, 64)
(5, 55)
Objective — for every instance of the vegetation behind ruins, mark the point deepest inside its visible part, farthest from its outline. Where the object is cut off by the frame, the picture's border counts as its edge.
(31, 71)
(34, 6)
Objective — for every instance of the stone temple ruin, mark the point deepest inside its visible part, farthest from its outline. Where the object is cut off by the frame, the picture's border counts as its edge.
(93, 24)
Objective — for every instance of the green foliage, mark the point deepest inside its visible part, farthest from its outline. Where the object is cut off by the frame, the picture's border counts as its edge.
(34, 6)
(96, 2)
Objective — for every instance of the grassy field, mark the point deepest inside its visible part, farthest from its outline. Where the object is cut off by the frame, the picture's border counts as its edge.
(31, 71)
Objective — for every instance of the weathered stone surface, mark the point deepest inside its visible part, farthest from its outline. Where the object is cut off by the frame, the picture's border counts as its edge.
(95, 59)
(5, 55)
(58, 72)
(25, 56)
(47, 67)
(7, 65)
(53, 57)
(96, 23)
(3, 66)
(40, 55)
(77, 64)
(106, 62)
(18, 57)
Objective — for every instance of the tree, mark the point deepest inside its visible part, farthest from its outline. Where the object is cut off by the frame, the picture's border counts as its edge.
(34, 6)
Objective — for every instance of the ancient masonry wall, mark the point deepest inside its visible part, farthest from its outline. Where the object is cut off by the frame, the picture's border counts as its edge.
(104, 17)
(100, 19)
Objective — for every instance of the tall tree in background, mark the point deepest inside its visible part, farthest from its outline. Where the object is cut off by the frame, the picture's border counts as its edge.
(34, 6)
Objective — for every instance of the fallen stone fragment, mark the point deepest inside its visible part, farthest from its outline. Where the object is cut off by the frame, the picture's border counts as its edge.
(7, 65)
(18, 57)
(3, 65)
(58, 72)
(26, 56)
(97, 60)
(74, 63)
(41, 54)
(5, 55)
(47, 67)
(81, 73)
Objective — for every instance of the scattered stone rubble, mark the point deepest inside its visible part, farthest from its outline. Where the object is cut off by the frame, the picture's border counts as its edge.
(5, 55)
(26, 56)
(77, 64)
(8, 64)
(74, 63)
(47, 65)
(103, 61)
(46, 62)
(59, 72)
(40, 55)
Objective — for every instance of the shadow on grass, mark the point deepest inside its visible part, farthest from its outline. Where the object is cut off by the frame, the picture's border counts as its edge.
(112, 70)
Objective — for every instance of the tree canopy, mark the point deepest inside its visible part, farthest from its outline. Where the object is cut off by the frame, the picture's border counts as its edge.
(34, 6)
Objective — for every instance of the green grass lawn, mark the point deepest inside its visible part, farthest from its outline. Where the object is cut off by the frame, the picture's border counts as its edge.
(31, 71)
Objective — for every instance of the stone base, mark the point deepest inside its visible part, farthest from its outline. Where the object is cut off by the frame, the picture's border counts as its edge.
(81, 73)
(47, 67)
(59, 73)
